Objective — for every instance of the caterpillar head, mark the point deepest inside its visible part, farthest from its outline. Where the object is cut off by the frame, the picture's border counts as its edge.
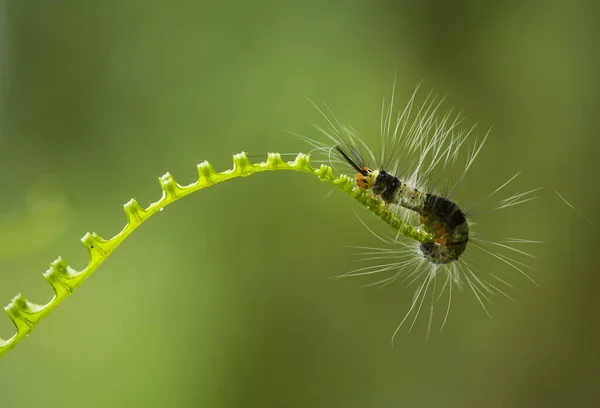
(365, 178)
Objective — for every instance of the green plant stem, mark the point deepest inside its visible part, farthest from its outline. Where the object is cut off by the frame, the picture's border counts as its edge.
(64, 279)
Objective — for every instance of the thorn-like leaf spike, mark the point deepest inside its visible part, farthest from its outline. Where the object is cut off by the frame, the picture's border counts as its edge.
(170, 187)
(302, 161)
(325, 173)
(205, 174)
(134, 212)
(22, 312)
(274, 161)
(60, 275)
(242, 165)
(96, 245)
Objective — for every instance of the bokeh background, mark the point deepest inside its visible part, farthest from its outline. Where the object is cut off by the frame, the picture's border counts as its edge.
(225, 298)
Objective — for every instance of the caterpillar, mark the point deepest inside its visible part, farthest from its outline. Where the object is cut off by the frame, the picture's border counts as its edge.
(416, 143)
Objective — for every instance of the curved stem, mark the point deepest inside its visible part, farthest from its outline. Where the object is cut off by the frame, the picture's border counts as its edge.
(64, 279)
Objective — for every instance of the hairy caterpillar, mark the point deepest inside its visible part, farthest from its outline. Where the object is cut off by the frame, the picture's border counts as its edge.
(416, 143)
(439, 215)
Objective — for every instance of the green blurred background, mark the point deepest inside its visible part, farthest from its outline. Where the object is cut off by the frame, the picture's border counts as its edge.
(225, 298)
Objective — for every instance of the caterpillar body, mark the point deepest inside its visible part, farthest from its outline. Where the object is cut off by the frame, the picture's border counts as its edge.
(439, 215)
